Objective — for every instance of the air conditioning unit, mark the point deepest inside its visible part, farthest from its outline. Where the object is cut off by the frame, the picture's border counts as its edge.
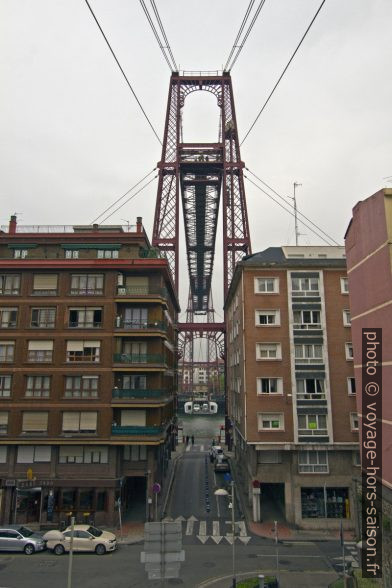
(121, 290)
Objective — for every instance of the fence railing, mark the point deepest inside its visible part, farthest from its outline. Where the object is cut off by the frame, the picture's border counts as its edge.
(120, 393)
(138, 358)
(136, 430)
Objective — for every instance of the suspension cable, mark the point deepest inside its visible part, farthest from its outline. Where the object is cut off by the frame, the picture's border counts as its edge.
(162, 45)
(123, 73)
(298, 212)
(283, 72)
(239, 47)
(289, 211)
(129, 199)
(123, 196)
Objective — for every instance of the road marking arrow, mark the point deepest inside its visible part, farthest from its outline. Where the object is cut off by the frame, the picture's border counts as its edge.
(217, 538)
(229, 539)
(244, 540)
(202, 538)
(180, 519)
(189, 527)
(192, 518)
(167, 520)
(242, 528)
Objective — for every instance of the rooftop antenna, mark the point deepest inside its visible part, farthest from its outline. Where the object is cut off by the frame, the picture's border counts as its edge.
(126, 221)
(297, 233)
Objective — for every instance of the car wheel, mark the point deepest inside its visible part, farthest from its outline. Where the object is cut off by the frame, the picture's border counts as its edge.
(100, 549)
(59, 549)
(29, 549)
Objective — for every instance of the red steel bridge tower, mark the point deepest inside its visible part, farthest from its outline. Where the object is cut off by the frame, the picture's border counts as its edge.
(201, 174)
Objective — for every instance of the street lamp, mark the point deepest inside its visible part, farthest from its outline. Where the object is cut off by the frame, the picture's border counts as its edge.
(222, 492)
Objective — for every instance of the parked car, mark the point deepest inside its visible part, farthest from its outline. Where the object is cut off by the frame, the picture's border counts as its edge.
(214, 451)
(20, 538)
(86, 538)
(221, 463)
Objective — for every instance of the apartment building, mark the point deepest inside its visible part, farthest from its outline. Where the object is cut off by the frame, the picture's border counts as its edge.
(87, 372)
(290, 384)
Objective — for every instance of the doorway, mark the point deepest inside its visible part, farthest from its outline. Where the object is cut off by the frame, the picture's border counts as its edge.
(272, 502)
(134, 498)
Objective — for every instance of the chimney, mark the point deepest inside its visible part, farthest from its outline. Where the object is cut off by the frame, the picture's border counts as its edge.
(12, 225)
(139, 224)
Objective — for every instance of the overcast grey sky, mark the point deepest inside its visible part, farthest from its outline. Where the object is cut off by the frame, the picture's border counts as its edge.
(73, 138)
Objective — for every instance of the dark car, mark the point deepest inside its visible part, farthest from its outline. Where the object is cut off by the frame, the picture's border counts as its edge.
(20, 538)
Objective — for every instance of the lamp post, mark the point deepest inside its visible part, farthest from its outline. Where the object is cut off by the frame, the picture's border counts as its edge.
(222, 492)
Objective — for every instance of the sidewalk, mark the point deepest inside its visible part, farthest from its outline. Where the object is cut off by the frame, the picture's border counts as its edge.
(288, 579)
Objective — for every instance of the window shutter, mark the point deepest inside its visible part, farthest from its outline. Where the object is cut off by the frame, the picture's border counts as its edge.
(136, 281)
(143, 452)
(25, 454)
(96, 344)
(40, 345)
(3, 418)
(88, 421)
(45, 282)
(42, 453)
(71, 421)
(35, 421)
(71, 451)
(131, 418)
(3, 454)
(74, 345)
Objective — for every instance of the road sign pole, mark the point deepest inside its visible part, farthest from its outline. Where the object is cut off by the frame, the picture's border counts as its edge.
(69, 582)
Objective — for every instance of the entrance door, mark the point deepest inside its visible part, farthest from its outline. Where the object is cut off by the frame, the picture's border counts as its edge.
(29, 502)
(272, 502)
(134, 498)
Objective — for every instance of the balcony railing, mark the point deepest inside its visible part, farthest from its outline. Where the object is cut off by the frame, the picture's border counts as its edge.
(43, 324)
(136, 430)
(317, 360)
(8, 324)
(39, 356)
(125, 393)
(140, 291)
(306, 326)
(308, 432)
(86, 291)
(78, 356)
(138, 358)
(130, 325)
(311, 396)
(50, 292)
(85, 324)
(9, 291)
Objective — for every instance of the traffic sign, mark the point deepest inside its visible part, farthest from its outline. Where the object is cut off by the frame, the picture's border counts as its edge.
(156, 488)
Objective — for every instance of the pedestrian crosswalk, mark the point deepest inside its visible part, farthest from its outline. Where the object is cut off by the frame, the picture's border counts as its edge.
(350, 556)
(200, 448)
(216, 531)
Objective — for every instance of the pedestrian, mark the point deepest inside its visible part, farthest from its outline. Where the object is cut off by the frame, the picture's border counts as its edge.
(187, 439)
(193, 439)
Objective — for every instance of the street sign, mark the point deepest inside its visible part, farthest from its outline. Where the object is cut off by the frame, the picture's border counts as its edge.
(156, 488)
(227, 477)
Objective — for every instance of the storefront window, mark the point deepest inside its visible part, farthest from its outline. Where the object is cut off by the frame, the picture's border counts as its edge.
(101, 501)
(86, 499)
(69, 499)
(331, 503)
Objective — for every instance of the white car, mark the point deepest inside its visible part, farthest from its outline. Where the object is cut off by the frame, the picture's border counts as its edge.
(86, 538)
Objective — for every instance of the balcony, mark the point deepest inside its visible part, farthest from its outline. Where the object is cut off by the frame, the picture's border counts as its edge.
(124, 393)
(311, 396)
(312, 432)
(51, 292)
(139, 358)
(85, 324)
(86, 291)
(307, 326)
(137, 430)
(130, 291)
(130, 325)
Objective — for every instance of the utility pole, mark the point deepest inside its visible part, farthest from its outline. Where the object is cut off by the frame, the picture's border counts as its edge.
(295, 185)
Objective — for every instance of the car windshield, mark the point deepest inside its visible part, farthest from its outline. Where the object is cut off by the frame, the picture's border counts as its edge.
(25, 531)
(94, 531)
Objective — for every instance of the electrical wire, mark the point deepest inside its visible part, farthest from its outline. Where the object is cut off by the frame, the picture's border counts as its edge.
(165, 45)
(123, 73)
(239, 48)
(283, 72)
(129, 199)
(285, 200)
(289, 211)
(123, 196)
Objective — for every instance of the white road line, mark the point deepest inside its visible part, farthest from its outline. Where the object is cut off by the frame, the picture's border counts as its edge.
(215, 527)
(188, 448)
(242, 528)
(201, 447)
(203, 528)
(189, 527)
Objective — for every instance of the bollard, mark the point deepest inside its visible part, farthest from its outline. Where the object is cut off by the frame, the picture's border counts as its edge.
(261, 580)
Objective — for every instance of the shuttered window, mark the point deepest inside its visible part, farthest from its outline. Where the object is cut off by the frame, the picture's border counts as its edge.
(3, 422)
(137, 284)
(33, 453)
(71, 454)
(35, 422)
(3, 454)
(40, 351)
(83, 350)
(45, 282)
(79, 422)
(40, 346)
(131, 418)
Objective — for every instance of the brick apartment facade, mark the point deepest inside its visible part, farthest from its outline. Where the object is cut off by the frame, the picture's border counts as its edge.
(291, 391)
(87, 372)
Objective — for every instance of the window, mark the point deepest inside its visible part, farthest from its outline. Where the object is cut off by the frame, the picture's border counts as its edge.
(267, 285)
(7, 349)
(8, 317)
(45, 284)
(134, 382)
(268, 421)
(71, 254)
(5, 386)
(344, 285)
(35, 422)
(269, 456)
(309, 353)
(38, 386)
(40, 351)
(135, 351)
(346, 318)
(79, 422)
(134, 318)
(312, 424)
(269, 386)
(310, 389)
(86, 317)
(331, 503)
(86, 498)
(135, 452)
(3, 422)
(354, 422)
(351, 386)
(267, 318)
(268, 351)
(307, 319)
(101, 500)
(357, 458)
(88, 351)
(107, 253)
(20, 253)
(33, 454)
(87, 284)
(81, 387)
(83, 454)
(306, 285)
(349, 351)
(313, 462)
(43, 318)
(9, 284)
(3, 453)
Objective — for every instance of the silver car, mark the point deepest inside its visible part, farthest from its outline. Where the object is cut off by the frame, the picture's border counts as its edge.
(19, 538)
